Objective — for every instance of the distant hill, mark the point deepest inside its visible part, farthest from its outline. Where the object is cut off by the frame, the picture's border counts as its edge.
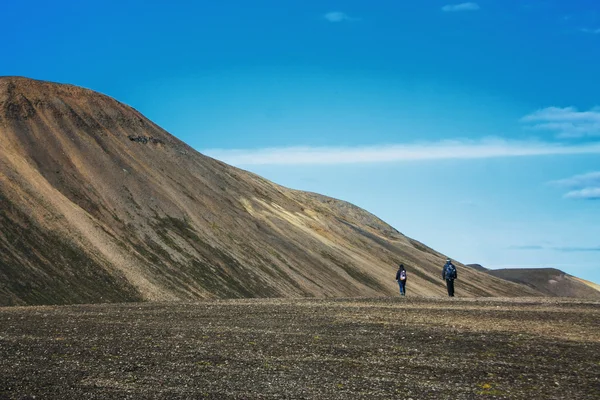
(477, 267)
(549, 281)
(99, 204)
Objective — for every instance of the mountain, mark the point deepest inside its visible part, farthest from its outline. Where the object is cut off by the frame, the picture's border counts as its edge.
(99, 204)
(477, 267)
(550, 282)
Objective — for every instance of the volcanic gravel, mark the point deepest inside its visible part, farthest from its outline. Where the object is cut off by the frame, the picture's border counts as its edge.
(385, 348)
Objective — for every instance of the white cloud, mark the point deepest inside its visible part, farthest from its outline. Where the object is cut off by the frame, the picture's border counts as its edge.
(338, 16)
(591, 193)
(592, 31)
(488, 148)
(564, 249)
(583, 180)
(561, 114)
(565, 122)
(576, 249)
(461, 7)
(586, 186)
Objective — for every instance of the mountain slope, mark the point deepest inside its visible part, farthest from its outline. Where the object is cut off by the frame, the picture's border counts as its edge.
(99, 204)
(549, 281)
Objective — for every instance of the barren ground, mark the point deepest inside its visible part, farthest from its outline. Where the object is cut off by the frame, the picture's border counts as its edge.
(292, 349)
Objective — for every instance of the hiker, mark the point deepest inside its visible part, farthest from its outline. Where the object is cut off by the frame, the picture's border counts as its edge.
(401, 278)
(449, 274)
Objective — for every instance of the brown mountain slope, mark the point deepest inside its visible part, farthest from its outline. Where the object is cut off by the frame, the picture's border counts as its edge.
(100, 204)
(549, 281)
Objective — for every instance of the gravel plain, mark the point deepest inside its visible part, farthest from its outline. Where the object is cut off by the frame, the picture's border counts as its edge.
(381, 348)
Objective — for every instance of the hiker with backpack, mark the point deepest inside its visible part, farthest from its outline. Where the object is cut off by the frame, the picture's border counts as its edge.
(449, 274)
(401, 278)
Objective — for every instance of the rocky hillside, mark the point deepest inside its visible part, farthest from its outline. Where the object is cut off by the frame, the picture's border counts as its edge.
(550, 282)
(99, 204)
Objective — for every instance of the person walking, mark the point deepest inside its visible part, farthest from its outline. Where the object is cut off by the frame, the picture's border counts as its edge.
(401, 278)
(449, 274)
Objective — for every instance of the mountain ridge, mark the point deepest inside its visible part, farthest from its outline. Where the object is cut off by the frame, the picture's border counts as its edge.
(549, 281)
(101, 205)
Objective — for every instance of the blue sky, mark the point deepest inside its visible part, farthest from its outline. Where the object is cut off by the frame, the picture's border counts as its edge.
(473, 127)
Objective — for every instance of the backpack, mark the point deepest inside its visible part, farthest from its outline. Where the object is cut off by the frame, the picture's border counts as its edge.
(403, 275)
(450, 271)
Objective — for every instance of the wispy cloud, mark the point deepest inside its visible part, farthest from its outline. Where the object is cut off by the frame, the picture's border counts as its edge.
(526, 247)
(583, 180)
(461, 7)
(563, 249)
(584, 194)
(553, 265)
(567, 122)
(585, 186)
(571, 249)
(338, 16)
(592, 31)
(487, 148)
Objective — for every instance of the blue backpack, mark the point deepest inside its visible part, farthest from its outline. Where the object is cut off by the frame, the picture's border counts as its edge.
(450, 271)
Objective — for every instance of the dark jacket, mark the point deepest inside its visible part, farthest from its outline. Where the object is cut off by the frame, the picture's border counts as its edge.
(445, 274)
(398, 275)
